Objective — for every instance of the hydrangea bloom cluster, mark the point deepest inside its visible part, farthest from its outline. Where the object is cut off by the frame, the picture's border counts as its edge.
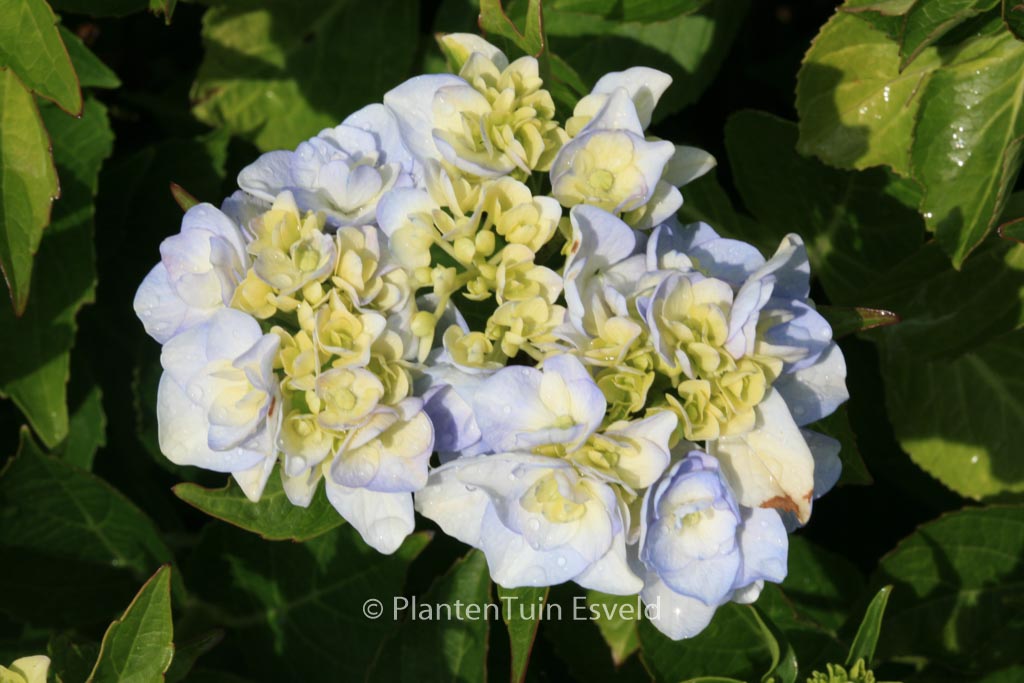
(613, 398)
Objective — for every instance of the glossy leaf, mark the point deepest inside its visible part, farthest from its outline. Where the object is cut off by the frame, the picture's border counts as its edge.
(280, 628)
(952, 416)
(28, 185)
(734, 644)
(521, 610)
(35, 374)
(929, 20)
(967, 144)
(92, 72)
(853, 226)
(139, 646)
(959, 583)
(274, 518)
(857, 109)
(866, 640)
(31, 46)
(271, 72)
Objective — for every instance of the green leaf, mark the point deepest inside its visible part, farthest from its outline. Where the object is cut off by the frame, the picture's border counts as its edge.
(1013, 17)
(617, 617)
(50, 506)
(278, 73)
(28, 185)
(277, 627)
(163, 8)
(444, 646)
(139, 646)
(34, 370)
(274, 518)
(86, 432)
(530, 40)
(60, 521)
(822, 585)
(870, 629)
(783, 668)
(850, 320)
(853, 226)
(946, 312)
(186, 653)
(954, 416)
(31, 46)
(959, 585)
(967, 144)
(688, 47)
(629, 10)
(856, 108)
(734, 644)
(929, 20)
(92, 73)
(70, 661)
(521, 610)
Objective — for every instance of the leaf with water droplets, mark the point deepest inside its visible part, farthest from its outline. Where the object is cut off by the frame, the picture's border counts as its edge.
(967, 145)
(857, 109)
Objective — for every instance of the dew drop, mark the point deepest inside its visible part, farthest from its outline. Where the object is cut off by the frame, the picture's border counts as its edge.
(560, 561)
(534, 525)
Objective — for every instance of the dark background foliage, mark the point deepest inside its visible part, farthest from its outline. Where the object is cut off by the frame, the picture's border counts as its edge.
(279, 610)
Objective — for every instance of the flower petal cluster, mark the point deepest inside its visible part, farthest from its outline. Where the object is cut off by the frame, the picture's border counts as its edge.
(613, 398)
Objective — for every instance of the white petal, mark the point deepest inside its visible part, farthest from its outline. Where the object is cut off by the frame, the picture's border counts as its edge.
(253, 480)
(382, 519)
(412, 103)
(268, 175)
(815, 392)
(677, 616)
(764, 545)
(688, 164)
(771, 465)
(611, 574)
(827, 465)
(644, 85)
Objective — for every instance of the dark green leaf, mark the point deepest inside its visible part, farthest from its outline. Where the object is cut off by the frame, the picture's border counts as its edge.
(870, 629)
(28, 185)
(783, 668)
(92, 73)
(853, 228)
(139, 646)
(617, 617)
(732, 645)
(959, 587)
(967, 143)
(273, 517)
(86, 432)
(822, 586)
(521, 610)
(530, 39)
(310, 629)
(271, 71)
(31, 46)
(955, 417)
(51, 506)
(444, 645)
(1013, 17)
(34, 369)
(186, 653)
(1013, 231)
(688, 47)
(70, 661)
